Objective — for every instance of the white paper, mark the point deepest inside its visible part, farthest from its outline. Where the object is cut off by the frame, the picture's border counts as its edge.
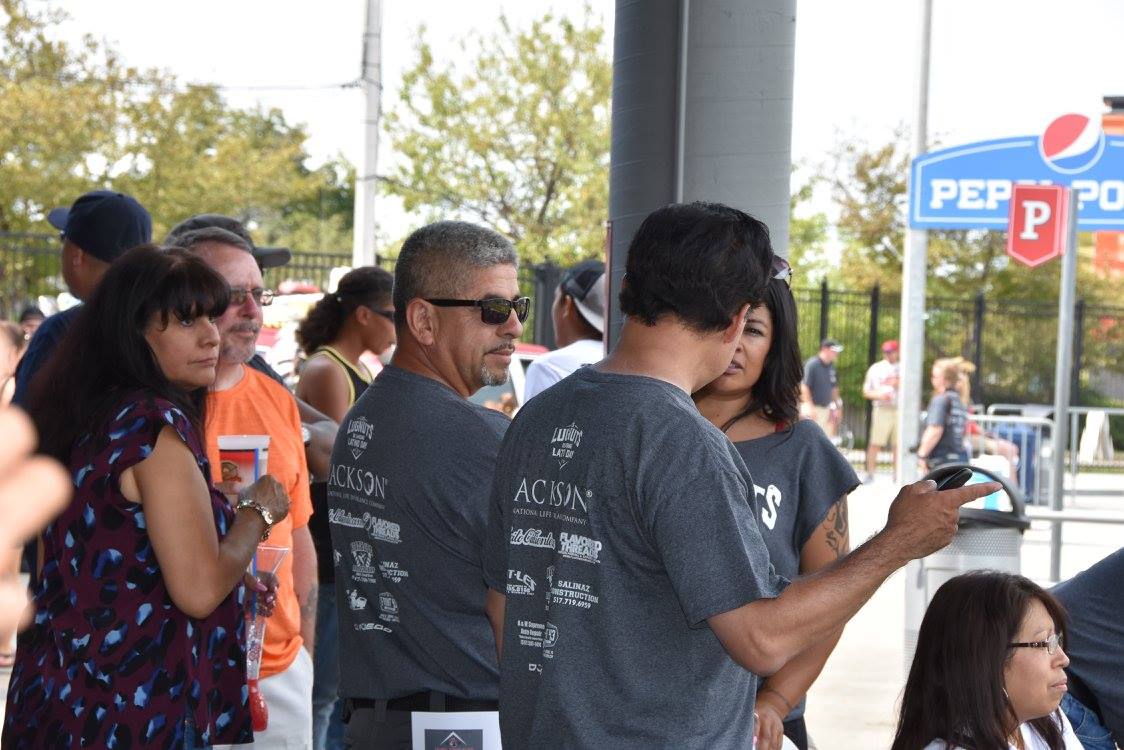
(466, 730)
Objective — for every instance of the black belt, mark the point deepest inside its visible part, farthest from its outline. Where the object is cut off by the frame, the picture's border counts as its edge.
(426, 701)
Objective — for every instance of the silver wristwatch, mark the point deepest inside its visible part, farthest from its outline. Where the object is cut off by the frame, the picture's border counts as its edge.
(245, 501)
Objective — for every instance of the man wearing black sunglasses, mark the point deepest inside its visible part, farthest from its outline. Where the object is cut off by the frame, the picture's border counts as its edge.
(408, 489)
(629, 587)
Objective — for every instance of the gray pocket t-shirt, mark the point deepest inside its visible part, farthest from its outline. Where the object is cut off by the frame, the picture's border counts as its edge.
(621, 521)
(407, 510)
(797, 475)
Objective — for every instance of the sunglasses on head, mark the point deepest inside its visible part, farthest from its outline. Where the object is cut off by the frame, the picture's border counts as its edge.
(494, 311)
(782, 271)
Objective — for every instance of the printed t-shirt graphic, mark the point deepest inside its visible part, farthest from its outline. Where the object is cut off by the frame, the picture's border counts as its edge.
(620, 522)
(408, 502)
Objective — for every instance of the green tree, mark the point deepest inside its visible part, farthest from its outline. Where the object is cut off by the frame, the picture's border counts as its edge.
(74, 118)
(870, 186)
(1020, 321)
(516, 138)
(807, 239)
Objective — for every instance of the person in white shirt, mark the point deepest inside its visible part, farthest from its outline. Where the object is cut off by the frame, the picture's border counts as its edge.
(989, 670)
(880, 387)
(578, 315)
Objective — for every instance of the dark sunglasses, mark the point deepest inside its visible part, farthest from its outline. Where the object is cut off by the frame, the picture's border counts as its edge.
(494, 311)
(782, 271)
(388, 314)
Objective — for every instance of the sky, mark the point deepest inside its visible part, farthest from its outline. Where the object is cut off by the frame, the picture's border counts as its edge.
(998, 67)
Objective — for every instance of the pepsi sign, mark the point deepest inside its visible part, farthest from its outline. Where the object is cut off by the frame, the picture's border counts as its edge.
(969, 186)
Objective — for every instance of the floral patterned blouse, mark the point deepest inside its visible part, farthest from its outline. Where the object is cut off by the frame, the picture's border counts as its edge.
(110, 661)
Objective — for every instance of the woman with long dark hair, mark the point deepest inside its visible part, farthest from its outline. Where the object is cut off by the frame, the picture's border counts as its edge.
(358, 317)
(988, 673)
(138, 636)
(800, 481)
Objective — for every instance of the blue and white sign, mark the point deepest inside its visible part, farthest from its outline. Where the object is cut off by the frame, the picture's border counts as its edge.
(969, 186)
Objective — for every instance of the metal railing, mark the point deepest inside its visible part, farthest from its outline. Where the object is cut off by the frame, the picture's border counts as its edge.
(1024, 443)
(1055, 513)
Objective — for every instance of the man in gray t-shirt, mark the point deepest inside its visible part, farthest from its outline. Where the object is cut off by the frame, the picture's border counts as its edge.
(408, 490)
(629, 587)
(819, 390)
(627, 525)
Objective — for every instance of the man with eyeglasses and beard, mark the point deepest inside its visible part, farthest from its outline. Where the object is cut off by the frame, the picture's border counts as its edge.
(408, 489)
(244, 401)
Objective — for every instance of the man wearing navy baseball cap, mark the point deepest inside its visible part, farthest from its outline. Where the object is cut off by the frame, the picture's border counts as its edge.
(95, 231)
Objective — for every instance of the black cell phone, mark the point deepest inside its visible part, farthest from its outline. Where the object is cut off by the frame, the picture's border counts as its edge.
(951, 482)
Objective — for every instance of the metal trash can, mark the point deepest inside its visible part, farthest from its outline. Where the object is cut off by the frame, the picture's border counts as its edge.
(985, 540)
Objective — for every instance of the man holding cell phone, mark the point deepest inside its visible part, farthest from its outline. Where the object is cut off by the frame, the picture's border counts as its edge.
(655, 606)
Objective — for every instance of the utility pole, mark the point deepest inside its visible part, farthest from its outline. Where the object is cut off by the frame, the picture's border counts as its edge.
(370, 80)
(1062, 374)
(913, 276)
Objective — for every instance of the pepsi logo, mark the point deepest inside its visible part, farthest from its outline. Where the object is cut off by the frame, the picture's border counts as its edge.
(1072, 144)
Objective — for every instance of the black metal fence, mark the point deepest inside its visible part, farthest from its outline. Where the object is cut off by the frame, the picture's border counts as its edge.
(307, 268)
(30, 266)
(1012, 342)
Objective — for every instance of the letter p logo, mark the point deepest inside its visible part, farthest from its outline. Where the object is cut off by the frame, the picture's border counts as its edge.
(1036, 213)
(1039, 218)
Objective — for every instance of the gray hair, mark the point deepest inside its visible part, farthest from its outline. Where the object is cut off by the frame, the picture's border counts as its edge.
(192, 240)
(436, 260)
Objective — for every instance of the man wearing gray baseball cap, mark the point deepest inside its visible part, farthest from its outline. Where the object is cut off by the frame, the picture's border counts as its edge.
(95, 231)
(578, 315)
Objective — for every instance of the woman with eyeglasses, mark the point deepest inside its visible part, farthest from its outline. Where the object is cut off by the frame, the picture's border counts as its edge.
(138, 637)
(988, 673)
(357, 318)
(800, 481)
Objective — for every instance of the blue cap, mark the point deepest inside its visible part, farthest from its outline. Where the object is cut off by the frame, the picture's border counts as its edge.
(104, 224)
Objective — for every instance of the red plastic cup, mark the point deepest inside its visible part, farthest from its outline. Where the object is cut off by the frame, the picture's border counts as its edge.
(259, 712)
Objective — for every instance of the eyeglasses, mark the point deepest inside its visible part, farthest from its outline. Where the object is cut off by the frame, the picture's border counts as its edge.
(263, 297)
(782, 271)
(1051, 644)
(494, 311)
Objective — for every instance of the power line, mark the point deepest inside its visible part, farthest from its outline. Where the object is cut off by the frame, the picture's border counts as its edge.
(180, 87)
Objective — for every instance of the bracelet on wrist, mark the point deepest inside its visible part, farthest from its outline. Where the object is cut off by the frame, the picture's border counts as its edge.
(245, 502)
